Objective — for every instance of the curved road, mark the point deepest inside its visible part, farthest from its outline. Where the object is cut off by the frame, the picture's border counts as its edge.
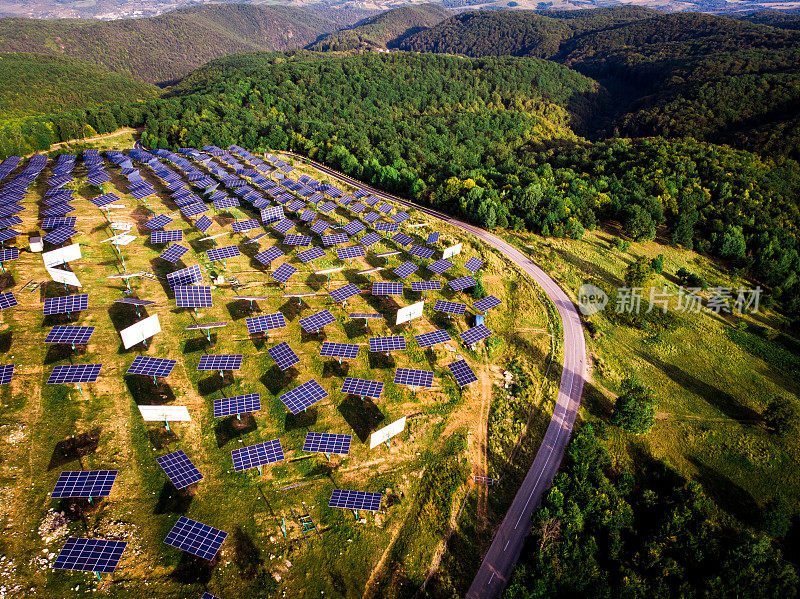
(498, 563)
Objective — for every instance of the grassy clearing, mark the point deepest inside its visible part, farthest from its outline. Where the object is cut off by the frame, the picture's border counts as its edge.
(37, 423)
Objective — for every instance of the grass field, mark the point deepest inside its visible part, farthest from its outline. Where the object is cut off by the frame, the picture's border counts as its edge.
(423, 474)
(713, 375)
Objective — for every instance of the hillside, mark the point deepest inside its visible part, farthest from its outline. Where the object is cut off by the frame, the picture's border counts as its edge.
(164, 48)
(32, 84)
(386, 29)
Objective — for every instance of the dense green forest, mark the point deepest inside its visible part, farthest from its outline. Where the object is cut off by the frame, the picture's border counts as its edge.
(602, 533)
(31, 84)
(162, 49)
(386, 29)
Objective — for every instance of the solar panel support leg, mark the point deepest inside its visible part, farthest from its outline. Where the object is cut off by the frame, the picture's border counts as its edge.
(239, 417)
(98, 576)
(222, 375)
(208, 335)
(155, 381)
(3, 267)
(259, 470)
(327, 456)
(90, 501)
(283, 526)
(166, 424)
(79, 389)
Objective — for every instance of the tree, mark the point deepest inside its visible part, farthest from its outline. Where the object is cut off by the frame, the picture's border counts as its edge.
(776, 518)
(657, 264)
(781, 415)
(638, 223)
(638, 272)
(634, 410)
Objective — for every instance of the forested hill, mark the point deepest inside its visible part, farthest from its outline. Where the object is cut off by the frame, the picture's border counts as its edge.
(32, 84)
(386, 29)
(164, 48)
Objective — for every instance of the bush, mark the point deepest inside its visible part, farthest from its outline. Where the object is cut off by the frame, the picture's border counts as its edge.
(635, 409)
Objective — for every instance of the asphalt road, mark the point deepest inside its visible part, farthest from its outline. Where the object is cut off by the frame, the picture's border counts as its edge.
(498, 563)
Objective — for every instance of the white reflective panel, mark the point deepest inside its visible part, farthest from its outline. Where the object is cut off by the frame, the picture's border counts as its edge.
(123, 239)
(64, 276)
(165, 413)
(451, 251)
(62, 255)
(387, 432)
(410, 312)
(139, 331)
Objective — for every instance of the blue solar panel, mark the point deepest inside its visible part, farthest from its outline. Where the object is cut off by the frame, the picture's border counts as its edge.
(283, 272)
(6, 374)
(414, 378)
(245, 225)
(355, 500)
(84, 483)
(74, 373)
(475, 334)
(145, 365)
(69, 334)
(316, 321)
(381, 288)
(473, 264)
(173, 253)
(432, 338)
(220, 362)
(334, 239)
(462, 373)
(9, 254)
(344, 293)
(223, 253)
(104, 200)
(53, 222)
(90, 555)
(371, 217)
(405, 270)
(283, 355)
(387, 344)
(158, 222)
(269, 255)
(225, 202)
(462, 283)
(432, 238)
(486, 303)
(297, 240)
(399, 217)
(422, 252)
(266, 322)
(196, 538)
(179, 469)
(185, 276)
(370, 239)
(256, 455)
(346, 351)
(402, 239)
(203, 223)
(66, 304)
(356, 251)
(7, 300)
(311, 254)
(426, 285)
(303, 397)
(240, 404)
(283, 226)
(354, 227)
(272, 214)
(327, 443)
(60, 235)
(320, 227)
(362, 387)
(193, 296)
(439, 266)
(450, 307)
(166, 236)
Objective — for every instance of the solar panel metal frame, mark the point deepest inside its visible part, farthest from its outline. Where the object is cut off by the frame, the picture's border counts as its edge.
(256, 455)
(370, 239)
(269, 255)
(245, 225)
(334, 239)
(283, 355)
(69, 334)
(223, 253)
(60, 235)
(90, 555)
(179, 469)
(265, 322)
(203, 223)
(386, 227)
(8, 254)
(283, 273)
(74, 373)
(432, 237)
(193, 296)
(196, 538)
(220, 362)
(486, 303)
(84, 483)
(239, 404)
(447, 307)
(432, 338)
(354, 227)
(362, 387)
(158, 222)
(150, 366)
(7, 300)
(303, 397)
(297, 240)
(66, 304)
(387, 344)
(327, 443)
(384, 288)
(462, 373)
(283, 226)
(343, 351)
(317, 321)
(402, 239)
(413, 377)
(355, 500)
(475, 334)
(54, 222)
(133, 301)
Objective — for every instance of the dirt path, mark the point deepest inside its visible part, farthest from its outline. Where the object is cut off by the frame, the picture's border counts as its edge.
(94, 138)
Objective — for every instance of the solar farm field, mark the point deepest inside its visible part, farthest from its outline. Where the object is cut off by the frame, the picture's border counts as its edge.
(232, 386)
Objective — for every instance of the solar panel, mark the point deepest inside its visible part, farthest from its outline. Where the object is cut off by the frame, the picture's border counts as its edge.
(432, 238)
(334, 239)
(272, 214)
(6, 373)
(173, 253)
(194, 209)
(422, 252)
(304, 396)
(67, 334)
(355, 500)
(66, 304)
(308, 215)
(382, 288)
(426, 285)
(159, 222)
(208, 595)
(369, 239)
(265, 322)
(53, 222)
(414, 378)
(473, 264)
(283, 272)
(134, 301)
(320, 227)
(462, 373)
(256, 455)
(159, 367)
(439, 266)
(486, 303)
(74, 373)
(348, 351)
(450, 307)
(432, 338)
(328, 443)
(365, 315)
(166, 236)
(7, 300)
(402, 239)
(354, 227)
(327, 207)
(9, 254)
(90, 555)
(283, 355)
(203, 223)
(283, 226)
(245, 225)
(206, 325)
(362, 387)
(104, 200)
(387, 227)
(371, 217)
(268, 255)
(462, 283)
(297, 240)
(316, 321)
(220, 362)
(196, 538)
(60, 235)
(387, 344)
(225, 202)
(179, 469)
(475, 334)
(344, 293)
(358, 207)
(311, 254)
(399, 217)
(405, 270)
(230, 251)
(185, 276)
(193, 296)
(84, 483)
(255, 238)
(356, 251)
(240, 404)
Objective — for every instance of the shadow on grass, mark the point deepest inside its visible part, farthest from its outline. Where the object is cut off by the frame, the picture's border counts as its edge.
(6, 337)
(380, 360)
(174, 501)
(332, 368)
(303, 419)
(275, 379)
(239, 309)
(231, 428)
(194, 570)
(146, 392)
(215, 382)
(730, 496)
(362, 416)
(161, 437)
(74, 448)
(246, 554)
